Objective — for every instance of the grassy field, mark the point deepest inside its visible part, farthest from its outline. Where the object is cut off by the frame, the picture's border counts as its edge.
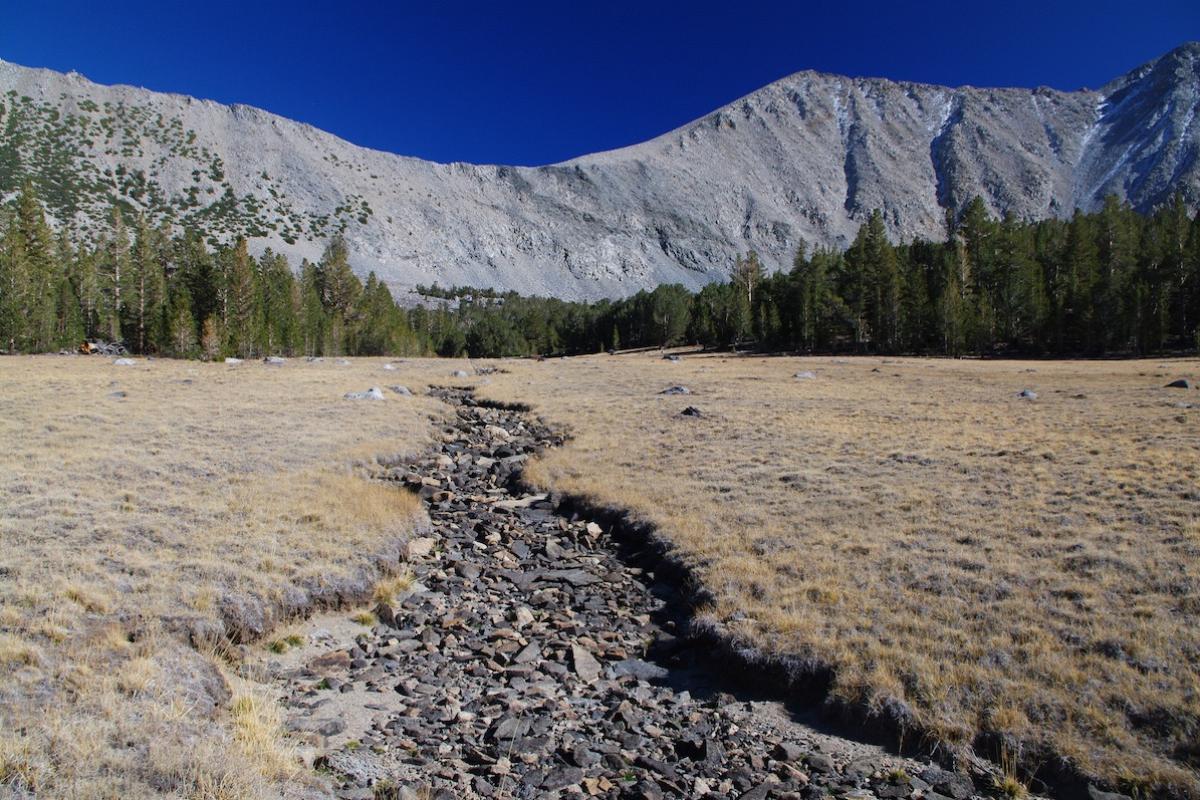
(152, 514)
(973, 560)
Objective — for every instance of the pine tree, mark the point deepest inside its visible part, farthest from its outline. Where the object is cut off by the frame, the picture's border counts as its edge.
(312, 319)
(279, 324)
(112, 272)
(181, 324)
(241, 301)
(340, 290)
(146, 287)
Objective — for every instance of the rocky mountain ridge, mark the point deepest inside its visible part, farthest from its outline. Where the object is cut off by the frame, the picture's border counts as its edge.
(803, 159)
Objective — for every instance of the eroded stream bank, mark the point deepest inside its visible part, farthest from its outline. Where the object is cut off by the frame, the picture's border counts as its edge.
(536, 655)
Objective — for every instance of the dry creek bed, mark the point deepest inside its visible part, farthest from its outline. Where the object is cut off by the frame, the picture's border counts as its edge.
(533, 657)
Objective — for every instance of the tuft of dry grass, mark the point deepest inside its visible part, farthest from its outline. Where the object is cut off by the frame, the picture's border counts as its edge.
(389, 588)
(145, 507)
(1027, 569)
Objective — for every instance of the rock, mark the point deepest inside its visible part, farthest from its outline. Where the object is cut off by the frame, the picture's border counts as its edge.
(586, 665)
(1095, 793)
(806, 375)
(274, 361)
(522, 617)
(672, 390)
(951, 784)
(1181, 383)
(818, 762)
(118, 395)
(560, 778)
(458, 373)
(374, 393)
(385, 613)
(691, 411)
(360, 768)
(787, 752)
(123, 362)
(232, 360)
(1027, 394)
(642, 670)
(593, 529)
(419, 547)
(335, 660)
(403, 391)
(671, 357)
(389, 367)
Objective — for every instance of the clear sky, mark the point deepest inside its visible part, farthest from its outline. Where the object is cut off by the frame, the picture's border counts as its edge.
(539, 82)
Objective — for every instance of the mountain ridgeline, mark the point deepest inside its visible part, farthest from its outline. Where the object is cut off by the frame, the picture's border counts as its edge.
(805, 160)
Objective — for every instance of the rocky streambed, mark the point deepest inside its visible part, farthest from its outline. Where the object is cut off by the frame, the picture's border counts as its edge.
(536, 654)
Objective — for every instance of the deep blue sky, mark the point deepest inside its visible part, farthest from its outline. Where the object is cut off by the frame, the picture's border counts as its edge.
(534, 83)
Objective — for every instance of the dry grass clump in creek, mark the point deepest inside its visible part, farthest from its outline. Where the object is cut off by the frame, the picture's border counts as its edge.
(981, 561)
(149, 508)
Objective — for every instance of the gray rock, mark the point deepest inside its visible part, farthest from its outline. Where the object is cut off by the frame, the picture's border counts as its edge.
(1027, 394)
(1181, 383)
(560, 778)
(586, 665)
(374, 393)
(403, 391)
(787, 751)
(1096, 793)
(671, 390)
(818, 762)
(642, 670)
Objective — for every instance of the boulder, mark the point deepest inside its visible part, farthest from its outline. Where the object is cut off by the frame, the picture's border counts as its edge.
(586, 665)
(374, 393)
(419, 547)
(403, 391)
(1027, 394)
(232, 360)
(691, 411)
(806, 375)
(123, 362)
(274, 361)
(1182, 383)
(676, 390)
(458, 373)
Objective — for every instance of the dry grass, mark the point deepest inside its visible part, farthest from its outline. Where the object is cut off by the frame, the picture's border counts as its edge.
(197, 500)
(1028, 569)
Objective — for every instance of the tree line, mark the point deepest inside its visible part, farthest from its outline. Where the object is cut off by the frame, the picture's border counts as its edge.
(1110, 282)
(176, 296)
(1113, 281)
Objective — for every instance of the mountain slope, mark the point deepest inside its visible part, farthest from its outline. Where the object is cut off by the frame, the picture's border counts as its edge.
(805, 158)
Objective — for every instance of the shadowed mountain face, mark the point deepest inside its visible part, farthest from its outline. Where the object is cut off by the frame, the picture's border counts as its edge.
(804, 159)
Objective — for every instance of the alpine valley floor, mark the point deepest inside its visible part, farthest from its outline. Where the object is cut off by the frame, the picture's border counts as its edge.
(215, 575)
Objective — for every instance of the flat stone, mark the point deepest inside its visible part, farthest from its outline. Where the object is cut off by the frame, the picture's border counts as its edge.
(419, 547)
(586, 665)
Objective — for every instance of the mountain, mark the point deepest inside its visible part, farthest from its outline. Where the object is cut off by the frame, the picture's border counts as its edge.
(803, 159)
